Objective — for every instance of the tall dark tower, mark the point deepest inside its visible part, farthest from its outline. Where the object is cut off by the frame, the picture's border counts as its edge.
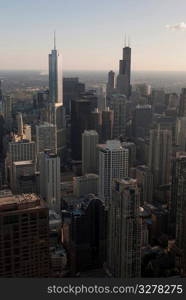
(123, 79)
(80, 121)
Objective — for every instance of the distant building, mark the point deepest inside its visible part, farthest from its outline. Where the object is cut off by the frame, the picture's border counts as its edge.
(145, 182)
(142, 120)
(107, 124)
(118, 105)
(72, 89)
(123, 78)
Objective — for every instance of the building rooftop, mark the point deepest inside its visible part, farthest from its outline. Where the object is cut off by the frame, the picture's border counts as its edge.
(19, 202)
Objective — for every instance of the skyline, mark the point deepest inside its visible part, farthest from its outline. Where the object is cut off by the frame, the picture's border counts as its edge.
(96, 31)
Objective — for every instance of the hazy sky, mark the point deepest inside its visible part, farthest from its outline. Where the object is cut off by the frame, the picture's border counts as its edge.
(90, 33)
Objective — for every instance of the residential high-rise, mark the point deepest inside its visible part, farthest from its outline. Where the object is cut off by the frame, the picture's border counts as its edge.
(80, 121)
(24, 232)
(46, 137)
(50, 179)
(123, 78)
(113, 164)
(90, 140)
(55, 76)
(118, 105)
(160, 151)
(125, 229)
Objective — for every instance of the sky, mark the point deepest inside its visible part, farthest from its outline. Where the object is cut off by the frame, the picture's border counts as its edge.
(90, 33)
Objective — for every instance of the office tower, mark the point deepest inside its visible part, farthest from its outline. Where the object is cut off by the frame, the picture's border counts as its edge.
(84, 234)
(107, 124)
(180, 139)
(84, 185)
(123, 78)
(113, 163)
(72, 89)
(80, 121)
(182, 106)
(90, 139)
(21, 150)
(145, 182)
(125, 228)
(92, 96)
(23, 177)
(96, 122)
(46, 137)
(118, 105)
(142, 120)
(50, 180)
(20, 124)
(55, 76)
(160, 151)
(7, 111)
(24, 232)
(178, 206)
(27, 132)
(110, 84)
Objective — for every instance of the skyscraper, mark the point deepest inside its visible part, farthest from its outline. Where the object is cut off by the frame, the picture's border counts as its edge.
(123, 79)
(80, 121)
(118, 105)
(107, 124)
(50, 179)
(55, 76)
(113, 163)
(178, 206)
(46, 138)
(160, 150)
(90, 139)
(20, 124)
(124, 234)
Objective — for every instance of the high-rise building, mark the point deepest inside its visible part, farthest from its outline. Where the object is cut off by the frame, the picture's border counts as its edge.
(180, 138)
(55, 76)
(145, 182)
(96, 122)
(72, 89)
(90, 140)
(178, 206)
(27, 132)
(125, 229)
(46, 137)
(80, 121)
(182, 107)
(113, 163)
(50, 179)
(24, 232)
(160, 151)
(142, 120)
(118, 105)
(107, 124)
(20, 124)
(21, 150)
(7, 111)
(84, 185)
(123, 79)
(110, 83)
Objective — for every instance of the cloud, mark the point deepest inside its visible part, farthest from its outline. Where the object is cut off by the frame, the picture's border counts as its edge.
(180, 26)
